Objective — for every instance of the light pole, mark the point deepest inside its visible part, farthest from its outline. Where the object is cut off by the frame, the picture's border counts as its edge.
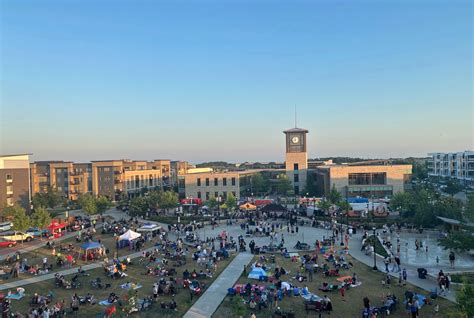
(375, 258)
(340, 225)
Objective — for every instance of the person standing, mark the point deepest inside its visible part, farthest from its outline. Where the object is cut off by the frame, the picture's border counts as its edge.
(452, 258)
(404, 276)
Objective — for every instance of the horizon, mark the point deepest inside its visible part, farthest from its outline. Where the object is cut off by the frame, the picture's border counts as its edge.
(203, 81)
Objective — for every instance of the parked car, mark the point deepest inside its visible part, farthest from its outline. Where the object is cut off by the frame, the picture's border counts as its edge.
(5, 226)
(36, 232)
(16, 236)
(6, 243)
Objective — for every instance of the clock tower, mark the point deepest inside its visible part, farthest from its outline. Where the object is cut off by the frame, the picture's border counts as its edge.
(296, 160)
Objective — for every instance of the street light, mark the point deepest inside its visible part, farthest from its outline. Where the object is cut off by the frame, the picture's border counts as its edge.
(375, 259)
(340, 224)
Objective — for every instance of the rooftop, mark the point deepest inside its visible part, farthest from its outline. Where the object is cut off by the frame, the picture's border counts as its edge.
(295, 130)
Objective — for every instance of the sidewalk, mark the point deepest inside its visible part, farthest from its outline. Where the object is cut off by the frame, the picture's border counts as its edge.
(213, 296)
(427, 284)
(31, 246)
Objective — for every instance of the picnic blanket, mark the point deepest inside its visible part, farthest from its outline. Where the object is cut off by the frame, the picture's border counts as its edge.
(294, 254)
(105, 303)
(358, 283)
(343, 278)
(307, 295)
(131, 286)
(16, 296)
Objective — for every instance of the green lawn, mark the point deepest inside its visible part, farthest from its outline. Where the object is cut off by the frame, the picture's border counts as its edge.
(36, 256)
(352, 306)
(136, 275)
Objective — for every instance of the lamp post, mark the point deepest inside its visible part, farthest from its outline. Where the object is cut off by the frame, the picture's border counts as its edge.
(375, 258)
(340, 225)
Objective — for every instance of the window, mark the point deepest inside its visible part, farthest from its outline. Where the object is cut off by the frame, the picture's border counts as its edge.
(9, 177)
(216, 181)
(10, 201)
(296, 177)
(233, 181)
(367, 178)
(295, 166)
(297, 190)
(199, 194)
(233, 193)
(207, 182)
(224, 181)
(207, 195)
(224, 194)
(198, 182)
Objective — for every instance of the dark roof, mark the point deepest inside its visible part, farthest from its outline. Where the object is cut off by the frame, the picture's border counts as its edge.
(274, 207)
(294, 130)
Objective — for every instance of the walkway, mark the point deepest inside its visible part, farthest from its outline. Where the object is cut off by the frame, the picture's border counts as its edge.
(211, 299)
(427, 284)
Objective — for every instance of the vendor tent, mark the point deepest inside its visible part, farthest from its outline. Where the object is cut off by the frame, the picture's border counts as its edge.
(127, 237)
(89, 246)
(274, 207)
(257, 272)
(248, 207)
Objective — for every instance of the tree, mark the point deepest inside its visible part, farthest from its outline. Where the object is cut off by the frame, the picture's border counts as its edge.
(138, 206)
(21, 222)
(334, 196)
(231, 201)
(469, 208)
(402, 202)
(448, 207)
(345, 206)
(424, 211)
(11, 211)
(87, 203)
(41, 218)
(283, 185)
(259, 183)
(49, 199)
(465, 300)
(153, 199)
(420, 170)
(459, 240)
(212, 203)
(324, 205)
(168, 199)
(40, 200)
(102, 204)
(452, 187)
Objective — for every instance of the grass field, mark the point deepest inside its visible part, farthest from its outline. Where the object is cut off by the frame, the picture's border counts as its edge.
(36, 256)
(350, 307)
(136, 275)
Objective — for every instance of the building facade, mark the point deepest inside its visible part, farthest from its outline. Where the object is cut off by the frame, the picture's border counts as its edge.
(296, 159)
(377, 181)
(457, 165)
(68, 178)
(15, 180)
(115, 178)
(204, 185)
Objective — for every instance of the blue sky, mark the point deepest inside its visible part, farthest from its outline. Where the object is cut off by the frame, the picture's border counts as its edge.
(218, 80)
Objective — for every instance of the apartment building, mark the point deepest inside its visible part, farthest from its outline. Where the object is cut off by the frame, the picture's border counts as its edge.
(364, 180)
(113, 178)
(68, 178)
(457, 165)
(15, 180)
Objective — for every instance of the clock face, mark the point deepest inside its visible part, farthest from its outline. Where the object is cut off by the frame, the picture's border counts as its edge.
(295, 139)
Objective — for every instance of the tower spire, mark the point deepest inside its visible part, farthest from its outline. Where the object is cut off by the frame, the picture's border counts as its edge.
(296, 117)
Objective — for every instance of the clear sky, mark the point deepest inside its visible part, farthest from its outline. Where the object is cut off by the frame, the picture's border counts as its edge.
(218, 80)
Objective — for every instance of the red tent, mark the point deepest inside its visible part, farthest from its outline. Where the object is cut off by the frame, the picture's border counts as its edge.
(56, 228)
(263, 202)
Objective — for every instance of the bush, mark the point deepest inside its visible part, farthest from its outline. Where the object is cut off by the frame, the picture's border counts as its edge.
(379, 249)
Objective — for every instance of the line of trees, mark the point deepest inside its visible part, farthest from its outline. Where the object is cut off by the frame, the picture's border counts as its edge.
(93, 205)
(153, 201)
